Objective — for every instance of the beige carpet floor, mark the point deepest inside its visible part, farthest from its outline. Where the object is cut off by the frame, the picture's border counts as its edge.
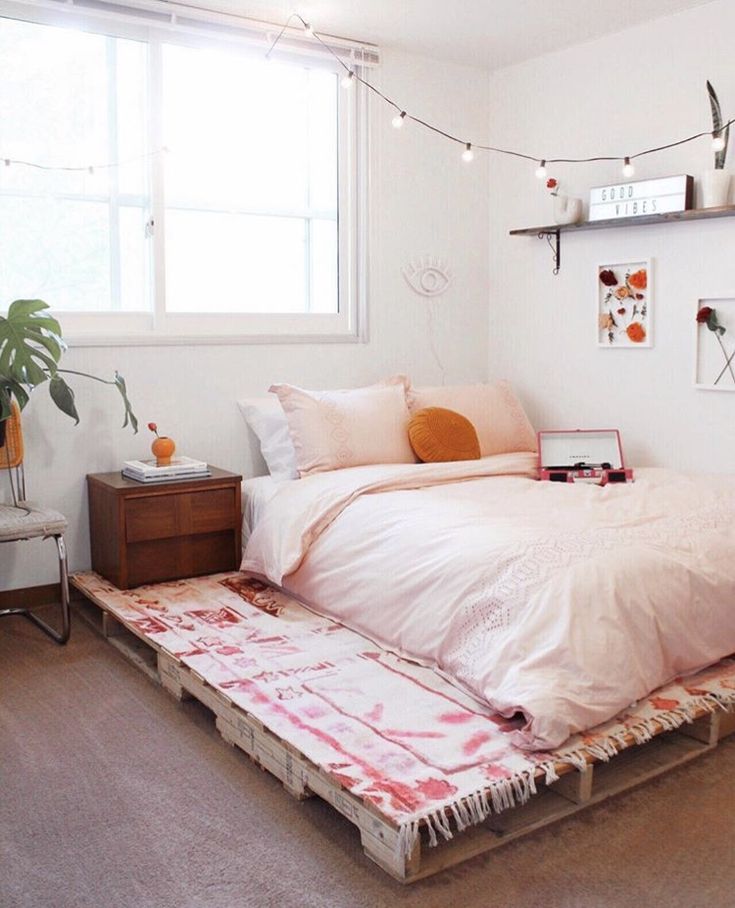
(112, 795)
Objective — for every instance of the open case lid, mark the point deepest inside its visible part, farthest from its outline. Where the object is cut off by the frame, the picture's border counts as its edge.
(589, 446)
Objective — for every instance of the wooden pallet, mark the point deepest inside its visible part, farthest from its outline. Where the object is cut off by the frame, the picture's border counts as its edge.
(573, 791)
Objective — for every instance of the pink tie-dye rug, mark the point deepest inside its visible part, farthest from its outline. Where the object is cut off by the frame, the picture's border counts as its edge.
(391, 732)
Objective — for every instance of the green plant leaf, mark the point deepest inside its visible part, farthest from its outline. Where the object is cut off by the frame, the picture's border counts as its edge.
(130, 417)
(30, 343)
(15, 390)
(63, 396)
(31, 346)
(714, 104)
(5, 402)
(712, 323)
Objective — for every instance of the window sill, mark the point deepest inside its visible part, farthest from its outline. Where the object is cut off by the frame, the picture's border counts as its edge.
(188, 340)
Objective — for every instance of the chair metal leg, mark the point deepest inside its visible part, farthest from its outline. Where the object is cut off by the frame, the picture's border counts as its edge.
(59, 636)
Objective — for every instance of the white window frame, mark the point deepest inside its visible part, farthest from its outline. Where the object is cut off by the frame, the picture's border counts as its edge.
(160, 327)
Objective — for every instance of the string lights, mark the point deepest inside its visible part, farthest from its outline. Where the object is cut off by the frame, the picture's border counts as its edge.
(89, 169)
(351, 77)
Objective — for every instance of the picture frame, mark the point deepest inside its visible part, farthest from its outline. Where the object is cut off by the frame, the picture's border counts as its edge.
(714, 344)
(624, 295)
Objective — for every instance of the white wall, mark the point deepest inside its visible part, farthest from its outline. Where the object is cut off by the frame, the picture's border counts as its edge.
(620, 94)
(423, 200)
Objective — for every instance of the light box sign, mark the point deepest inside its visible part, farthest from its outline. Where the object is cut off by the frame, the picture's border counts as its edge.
(643, 197)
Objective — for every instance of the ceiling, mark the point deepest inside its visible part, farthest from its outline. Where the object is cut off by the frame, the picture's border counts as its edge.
(485, 33)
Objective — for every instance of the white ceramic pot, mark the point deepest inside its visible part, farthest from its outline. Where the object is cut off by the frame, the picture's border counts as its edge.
(567, 210)
(715, 188)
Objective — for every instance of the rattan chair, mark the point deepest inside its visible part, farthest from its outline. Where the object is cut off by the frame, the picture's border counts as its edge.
(29, 521)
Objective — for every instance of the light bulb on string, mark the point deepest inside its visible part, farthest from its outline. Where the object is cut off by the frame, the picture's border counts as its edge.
(718, 136)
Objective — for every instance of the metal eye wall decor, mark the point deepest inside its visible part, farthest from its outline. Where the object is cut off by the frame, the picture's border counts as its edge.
(427, 276)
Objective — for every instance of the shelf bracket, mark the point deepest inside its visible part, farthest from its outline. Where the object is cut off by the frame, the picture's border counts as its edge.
(553, 238)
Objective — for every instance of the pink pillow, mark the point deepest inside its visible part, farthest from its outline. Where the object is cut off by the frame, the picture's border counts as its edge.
(335, 429)
(496, 413)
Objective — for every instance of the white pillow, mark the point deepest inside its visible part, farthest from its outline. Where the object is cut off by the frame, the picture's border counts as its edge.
(331, 430)
(496, 413)
(266, 418)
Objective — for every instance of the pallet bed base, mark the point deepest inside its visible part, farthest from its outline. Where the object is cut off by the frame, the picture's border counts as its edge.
(381, 840)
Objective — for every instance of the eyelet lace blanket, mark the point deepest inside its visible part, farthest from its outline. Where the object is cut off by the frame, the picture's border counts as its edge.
(564, 602)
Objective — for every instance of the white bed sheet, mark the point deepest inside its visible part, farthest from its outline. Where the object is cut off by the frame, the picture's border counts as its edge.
(256, 493)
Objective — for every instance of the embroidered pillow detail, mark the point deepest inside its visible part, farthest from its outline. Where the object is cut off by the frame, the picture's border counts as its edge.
(332, 430)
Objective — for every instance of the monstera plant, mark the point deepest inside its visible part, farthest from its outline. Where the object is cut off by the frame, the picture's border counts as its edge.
(31, 347)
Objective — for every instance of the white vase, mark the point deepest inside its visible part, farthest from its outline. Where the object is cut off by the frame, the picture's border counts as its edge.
(715, 188)
(567, 210)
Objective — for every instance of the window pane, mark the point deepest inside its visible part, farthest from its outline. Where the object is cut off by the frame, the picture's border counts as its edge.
(324, 266)
(57, 250)
(323, 140)
(71, 99)
(234, 263)
(135, 279)
(253, 165)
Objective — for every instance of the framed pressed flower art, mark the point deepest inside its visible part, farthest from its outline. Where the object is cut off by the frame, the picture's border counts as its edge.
(714, 357)
(624, 299)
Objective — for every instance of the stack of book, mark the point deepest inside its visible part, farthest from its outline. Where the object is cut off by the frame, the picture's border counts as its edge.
(179, 469)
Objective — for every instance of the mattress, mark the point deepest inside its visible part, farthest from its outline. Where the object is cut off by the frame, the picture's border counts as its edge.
(256, 493)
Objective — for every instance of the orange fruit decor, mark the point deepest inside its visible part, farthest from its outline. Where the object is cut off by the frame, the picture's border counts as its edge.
(163, 449)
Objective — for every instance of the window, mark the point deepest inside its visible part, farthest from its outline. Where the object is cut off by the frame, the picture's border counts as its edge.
(251, 186)
(232, 206)
(74, 239)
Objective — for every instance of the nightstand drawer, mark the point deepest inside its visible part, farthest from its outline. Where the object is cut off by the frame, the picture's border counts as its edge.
(185, 514)
(209, 512)
(151, 518)
(158, 560)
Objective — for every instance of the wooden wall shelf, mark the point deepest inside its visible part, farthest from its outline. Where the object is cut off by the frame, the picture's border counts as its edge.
(552, 232)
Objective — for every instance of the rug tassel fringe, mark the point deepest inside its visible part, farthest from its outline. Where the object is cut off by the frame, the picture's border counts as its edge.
(474, 808)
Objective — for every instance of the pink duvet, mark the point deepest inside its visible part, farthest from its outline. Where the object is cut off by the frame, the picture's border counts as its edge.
(564, 602)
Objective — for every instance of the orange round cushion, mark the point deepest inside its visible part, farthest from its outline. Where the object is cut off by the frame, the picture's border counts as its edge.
(438, 435)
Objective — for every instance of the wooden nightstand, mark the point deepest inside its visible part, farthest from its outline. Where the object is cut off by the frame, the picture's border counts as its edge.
(163, 531)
